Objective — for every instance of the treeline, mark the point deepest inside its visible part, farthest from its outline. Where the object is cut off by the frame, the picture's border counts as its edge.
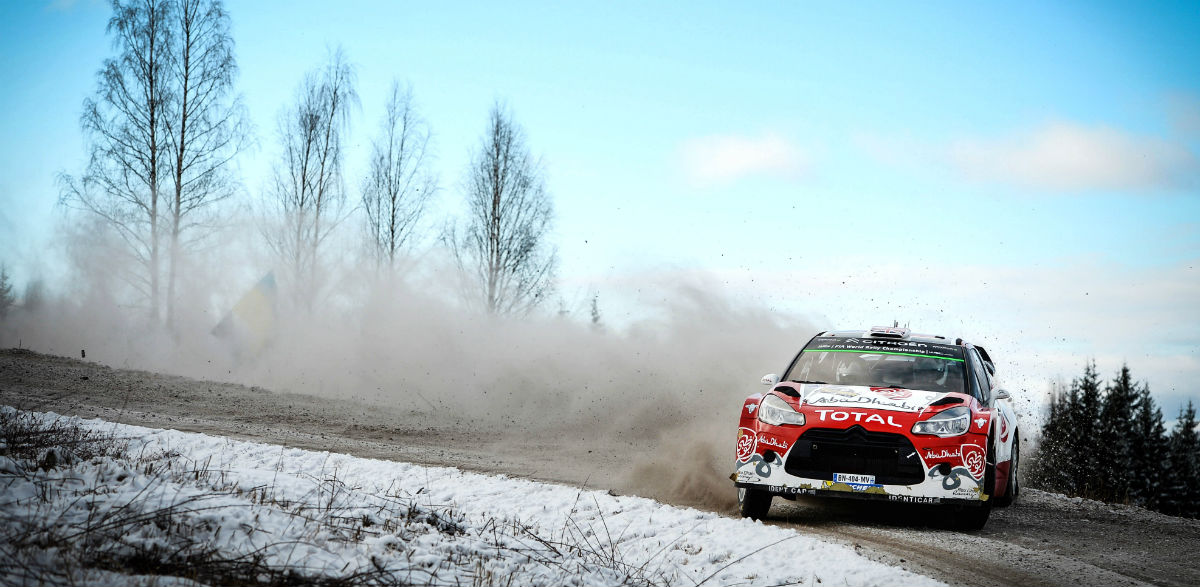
(166, 127)
(1108, 441)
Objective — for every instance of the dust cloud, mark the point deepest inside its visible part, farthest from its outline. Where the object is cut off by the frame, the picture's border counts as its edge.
(662, 391)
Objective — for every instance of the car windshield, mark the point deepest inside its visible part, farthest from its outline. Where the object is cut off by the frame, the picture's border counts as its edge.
(881, 363)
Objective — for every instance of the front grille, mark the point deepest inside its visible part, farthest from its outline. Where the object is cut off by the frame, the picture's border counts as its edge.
(821, 452)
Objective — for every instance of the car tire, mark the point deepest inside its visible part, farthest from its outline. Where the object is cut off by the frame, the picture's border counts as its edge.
(1013, 488)
(753, 503)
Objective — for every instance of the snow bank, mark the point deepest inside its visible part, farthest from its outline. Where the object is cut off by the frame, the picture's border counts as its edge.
(332, 515)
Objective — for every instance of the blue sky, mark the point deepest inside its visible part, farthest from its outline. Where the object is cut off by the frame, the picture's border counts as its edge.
(1023, 171)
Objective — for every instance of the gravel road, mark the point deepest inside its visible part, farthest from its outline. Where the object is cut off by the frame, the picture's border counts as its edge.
(1044, 539)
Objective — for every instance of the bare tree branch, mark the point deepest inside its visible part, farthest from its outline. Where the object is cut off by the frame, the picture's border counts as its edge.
(398, 185)
(127, 133)
(162, 131)
(509, 217)
(205, 121)
(307, 195)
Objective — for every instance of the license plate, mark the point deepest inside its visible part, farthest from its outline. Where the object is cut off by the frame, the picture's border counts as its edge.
(852, 479)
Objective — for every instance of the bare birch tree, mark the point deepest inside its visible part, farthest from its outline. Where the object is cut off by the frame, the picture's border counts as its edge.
(398, 185)
(308, 195)
(161, 132)
(509, 216)
(206, 126)
(127, 137)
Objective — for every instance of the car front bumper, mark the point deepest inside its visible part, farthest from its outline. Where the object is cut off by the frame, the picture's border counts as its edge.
(947, 481)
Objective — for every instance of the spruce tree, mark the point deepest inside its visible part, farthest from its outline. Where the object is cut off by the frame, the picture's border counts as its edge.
(1115, 431)
(1182, 491)
(1151, 451)
(1050, 470)
(1085, 416)
(1069, 453)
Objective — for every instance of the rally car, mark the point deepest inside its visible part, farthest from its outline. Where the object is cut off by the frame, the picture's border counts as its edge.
(881, 414)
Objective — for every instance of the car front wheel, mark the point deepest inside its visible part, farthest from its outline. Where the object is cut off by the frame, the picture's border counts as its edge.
(753, 503)
(1014, 488)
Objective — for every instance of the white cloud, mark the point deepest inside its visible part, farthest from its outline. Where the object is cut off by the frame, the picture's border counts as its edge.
(722, 159)
(1064, 156)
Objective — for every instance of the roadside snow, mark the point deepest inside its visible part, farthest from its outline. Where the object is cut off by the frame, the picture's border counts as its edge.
(332, 515)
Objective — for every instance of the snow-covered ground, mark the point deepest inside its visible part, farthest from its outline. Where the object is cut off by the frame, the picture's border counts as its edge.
(219, 509)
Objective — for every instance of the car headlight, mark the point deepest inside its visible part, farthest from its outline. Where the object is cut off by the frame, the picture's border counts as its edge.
(776, 412)
(952, 422)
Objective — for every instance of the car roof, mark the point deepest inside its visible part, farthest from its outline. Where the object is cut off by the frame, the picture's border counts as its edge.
(899, 333)
(893, 333)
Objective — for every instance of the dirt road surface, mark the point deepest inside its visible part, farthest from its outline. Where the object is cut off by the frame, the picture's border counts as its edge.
(1044, 539)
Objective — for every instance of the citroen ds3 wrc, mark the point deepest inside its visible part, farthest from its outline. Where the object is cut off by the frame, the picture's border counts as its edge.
(881, 414)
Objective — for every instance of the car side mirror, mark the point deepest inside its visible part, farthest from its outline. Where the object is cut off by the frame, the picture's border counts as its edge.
(1002, 394)
(770, 379)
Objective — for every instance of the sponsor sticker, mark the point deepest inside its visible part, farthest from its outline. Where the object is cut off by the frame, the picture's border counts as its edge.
(785, 490)
(971, 492)
(838, 391)
(892, 392)
(745, 444)
(849, 416)
(874, 342)
(914, 498)
(773, 442)
(887, 347)
(825, 398)
(973, 460)
(746, 477)
(942, 454)
(854, 487)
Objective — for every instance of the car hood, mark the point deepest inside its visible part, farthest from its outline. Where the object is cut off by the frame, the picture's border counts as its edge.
(863, 397)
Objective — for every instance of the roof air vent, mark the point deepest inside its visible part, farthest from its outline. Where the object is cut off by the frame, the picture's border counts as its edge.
(888, 332)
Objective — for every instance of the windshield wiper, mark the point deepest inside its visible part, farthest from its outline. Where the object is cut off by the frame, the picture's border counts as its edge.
(808, 382)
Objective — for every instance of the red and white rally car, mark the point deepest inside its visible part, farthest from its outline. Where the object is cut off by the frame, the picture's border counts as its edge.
(882, 414)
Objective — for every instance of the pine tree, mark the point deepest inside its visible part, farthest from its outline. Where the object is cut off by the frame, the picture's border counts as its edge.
(1182, 492)
(1115, 431)
(1151, 451)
